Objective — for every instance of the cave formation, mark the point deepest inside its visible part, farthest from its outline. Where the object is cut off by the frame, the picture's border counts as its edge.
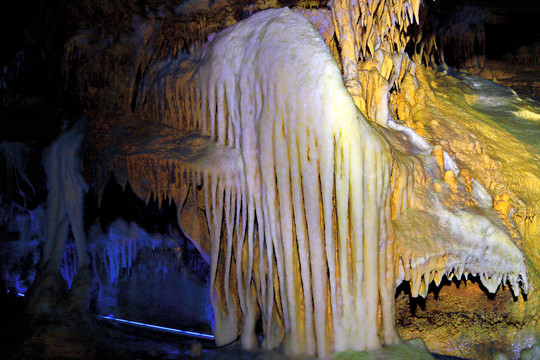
(317, 157)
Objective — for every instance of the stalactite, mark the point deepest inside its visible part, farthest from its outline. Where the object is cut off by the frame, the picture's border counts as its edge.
(459, 39)
(372, 37)
(526, 54)
(13, 167)
(116, 251)
(68, 269)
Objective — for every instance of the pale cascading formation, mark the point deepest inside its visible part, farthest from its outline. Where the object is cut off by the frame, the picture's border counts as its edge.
(65, 209)
(317, 176)
(275, 167)
(65, 199)
(299, 192)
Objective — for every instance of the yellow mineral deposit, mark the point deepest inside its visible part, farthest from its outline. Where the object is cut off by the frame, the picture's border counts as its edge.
(493, 153)
(438, 153)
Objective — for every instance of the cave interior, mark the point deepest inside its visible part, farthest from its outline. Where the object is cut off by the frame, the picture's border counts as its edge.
(68, 65)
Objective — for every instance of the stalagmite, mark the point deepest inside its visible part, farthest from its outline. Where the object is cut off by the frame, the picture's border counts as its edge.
(308, 216)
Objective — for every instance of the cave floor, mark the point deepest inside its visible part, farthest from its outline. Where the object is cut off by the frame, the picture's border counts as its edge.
(103, 340)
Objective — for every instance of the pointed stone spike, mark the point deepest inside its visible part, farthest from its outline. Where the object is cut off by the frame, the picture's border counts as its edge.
(484, 280)
(407, 270)
(424, 287)
(438, 277)
(416, 9)
(160, 199)
(515, 289)
(124, 184)
(415, 288)
(459, 272)
(148, 197)
(499, 278)
(494, 285)
(524, 284)
(491, 283)
(416, 283)
(512, 281)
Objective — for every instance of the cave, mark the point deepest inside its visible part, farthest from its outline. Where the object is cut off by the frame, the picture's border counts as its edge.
(270, 179)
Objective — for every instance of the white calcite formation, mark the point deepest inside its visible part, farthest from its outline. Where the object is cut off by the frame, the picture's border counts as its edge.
(65, 200)
(311, 217)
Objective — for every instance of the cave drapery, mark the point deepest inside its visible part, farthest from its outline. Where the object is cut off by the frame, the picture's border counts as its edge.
(298, 184)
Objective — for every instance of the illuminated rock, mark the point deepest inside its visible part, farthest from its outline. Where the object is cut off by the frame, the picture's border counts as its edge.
(309, 216)
(482, 125)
